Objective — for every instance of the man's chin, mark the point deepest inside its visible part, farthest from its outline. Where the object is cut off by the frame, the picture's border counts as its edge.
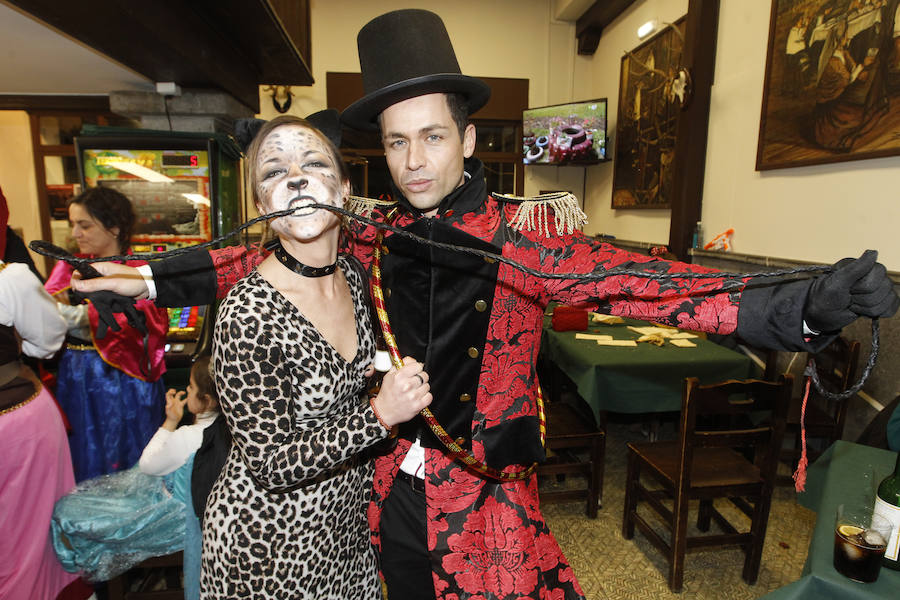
(423, 204)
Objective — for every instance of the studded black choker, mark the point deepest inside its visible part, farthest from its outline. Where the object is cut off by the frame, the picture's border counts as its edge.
(298, 267)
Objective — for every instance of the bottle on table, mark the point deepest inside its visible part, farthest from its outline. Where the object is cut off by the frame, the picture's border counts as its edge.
(697, 239)
(887, 504)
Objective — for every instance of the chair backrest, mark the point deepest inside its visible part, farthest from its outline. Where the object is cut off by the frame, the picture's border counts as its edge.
(742, 414)
(838, 367)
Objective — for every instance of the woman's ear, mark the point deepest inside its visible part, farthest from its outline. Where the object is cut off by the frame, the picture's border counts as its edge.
(209, 403)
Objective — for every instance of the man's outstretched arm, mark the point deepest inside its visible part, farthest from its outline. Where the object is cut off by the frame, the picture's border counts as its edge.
(190, 279)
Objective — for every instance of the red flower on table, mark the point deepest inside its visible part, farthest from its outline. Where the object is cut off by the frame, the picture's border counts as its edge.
(491, 554)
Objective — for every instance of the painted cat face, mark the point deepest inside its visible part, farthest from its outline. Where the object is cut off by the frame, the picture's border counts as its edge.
(295, 167)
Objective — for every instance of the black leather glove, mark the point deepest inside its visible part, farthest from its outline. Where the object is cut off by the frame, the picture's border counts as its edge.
(856, 288)
(76, 297)
(107, 304)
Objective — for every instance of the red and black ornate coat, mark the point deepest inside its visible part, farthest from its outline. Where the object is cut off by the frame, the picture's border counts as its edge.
(476, 325)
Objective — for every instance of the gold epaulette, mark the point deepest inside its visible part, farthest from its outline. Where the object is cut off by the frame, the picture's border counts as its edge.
(363, 206)
(531, 212)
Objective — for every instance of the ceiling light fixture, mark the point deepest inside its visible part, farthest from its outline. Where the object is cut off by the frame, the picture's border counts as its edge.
(647, 28)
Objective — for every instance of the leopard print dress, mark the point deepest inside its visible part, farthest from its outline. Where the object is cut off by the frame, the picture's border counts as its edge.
(286, 518)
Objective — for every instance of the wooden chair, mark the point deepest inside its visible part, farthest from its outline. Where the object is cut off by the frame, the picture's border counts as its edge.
(837, 366)
(708, 461)
(568, 432)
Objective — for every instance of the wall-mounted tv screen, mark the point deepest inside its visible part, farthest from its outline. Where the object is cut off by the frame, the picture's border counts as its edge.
(565, 134)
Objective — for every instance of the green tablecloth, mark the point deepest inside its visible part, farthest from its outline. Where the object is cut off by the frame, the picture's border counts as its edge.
(846, 472)
(646, 378)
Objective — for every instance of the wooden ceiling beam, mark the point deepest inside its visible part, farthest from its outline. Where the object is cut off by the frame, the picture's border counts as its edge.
(589, 26)
(232, 45)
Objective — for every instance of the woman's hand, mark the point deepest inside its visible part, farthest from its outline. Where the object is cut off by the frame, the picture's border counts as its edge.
(175, 402)
(404, 392)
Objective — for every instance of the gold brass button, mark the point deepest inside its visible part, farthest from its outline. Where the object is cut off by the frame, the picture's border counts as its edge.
(465, 398)
(473, 352)
(385, 250)
(489, 260)
(387, 292)
(480, 305)
(460, 441)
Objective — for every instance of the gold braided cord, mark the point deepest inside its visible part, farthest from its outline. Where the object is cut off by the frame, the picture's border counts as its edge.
(455, 449)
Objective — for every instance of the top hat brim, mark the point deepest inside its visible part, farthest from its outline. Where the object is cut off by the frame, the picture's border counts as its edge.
(363, 114)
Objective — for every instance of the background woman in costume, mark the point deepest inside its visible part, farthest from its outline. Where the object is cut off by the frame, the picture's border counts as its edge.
(36, 468)
(109, 382)
(293, 350)
(111, 523)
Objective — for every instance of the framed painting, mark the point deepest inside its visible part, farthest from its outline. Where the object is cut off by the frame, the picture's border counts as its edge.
(832, 83)
(649, 105)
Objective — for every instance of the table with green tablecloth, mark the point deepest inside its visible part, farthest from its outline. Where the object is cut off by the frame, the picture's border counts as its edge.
(846, 472)
(641, 379)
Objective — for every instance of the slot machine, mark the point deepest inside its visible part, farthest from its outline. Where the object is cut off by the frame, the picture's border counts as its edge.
(185, 190)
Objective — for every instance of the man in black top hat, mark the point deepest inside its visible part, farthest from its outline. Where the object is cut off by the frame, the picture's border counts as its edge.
(443, 529)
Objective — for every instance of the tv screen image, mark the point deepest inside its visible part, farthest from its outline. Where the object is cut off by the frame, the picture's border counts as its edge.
(573, 133)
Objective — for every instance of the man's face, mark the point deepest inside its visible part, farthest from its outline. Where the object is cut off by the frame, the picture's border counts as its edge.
(423, 149)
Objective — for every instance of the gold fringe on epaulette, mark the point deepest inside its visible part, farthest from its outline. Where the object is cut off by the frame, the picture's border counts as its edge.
(531, 213)
(363, 206)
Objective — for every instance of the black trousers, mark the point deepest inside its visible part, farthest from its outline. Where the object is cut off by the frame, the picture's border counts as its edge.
(405, 562)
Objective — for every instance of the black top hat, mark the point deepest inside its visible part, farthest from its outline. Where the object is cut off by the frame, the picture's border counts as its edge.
(403, 54)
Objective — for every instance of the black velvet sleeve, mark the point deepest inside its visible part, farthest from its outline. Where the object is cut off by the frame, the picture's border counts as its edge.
(185, 280)
(771, 316)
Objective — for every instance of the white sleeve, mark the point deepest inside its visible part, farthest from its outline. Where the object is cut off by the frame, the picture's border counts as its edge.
(168, 450)
(147, 273)
(26, 305)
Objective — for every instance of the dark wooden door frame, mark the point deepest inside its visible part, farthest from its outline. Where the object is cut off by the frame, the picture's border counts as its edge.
(699, 56)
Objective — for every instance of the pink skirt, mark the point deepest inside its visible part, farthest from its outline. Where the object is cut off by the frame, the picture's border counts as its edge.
(35, 471)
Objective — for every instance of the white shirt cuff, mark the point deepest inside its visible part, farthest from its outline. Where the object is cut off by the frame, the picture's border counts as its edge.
(808, 331)
(147, 273)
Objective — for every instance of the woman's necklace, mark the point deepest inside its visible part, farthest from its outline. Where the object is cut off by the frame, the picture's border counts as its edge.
(298, 267)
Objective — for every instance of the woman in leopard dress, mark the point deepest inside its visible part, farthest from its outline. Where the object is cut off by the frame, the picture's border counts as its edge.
(293, 350)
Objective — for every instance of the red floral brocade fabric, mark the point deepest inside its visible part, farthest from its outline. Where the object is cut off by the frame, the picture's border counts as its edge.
(489, 539)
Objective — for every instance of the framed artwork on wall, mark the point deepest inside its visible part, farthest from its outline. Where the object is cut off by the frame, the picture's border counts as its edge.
(651, 94)
(832, 83)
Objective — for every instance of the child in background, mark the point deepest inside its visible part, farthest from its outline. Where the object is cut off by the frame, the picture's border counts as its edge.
(111, 523)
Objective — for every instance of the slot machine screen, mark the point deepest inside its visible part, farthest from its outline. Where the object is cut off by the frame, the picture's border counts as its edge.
(170, 184)
(169, 189)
